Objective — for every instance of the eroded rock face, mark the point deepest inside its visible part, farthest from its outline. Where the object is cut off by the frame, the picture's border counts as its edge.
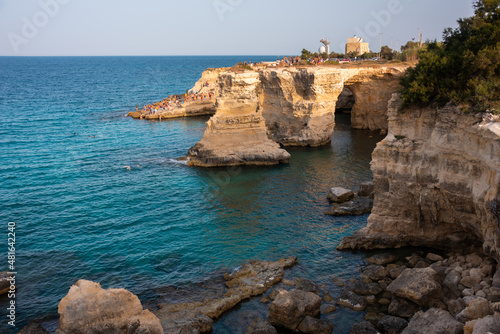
(237, 134)
(437, 182)
(87, 308)
(299, 104)
(291, 107)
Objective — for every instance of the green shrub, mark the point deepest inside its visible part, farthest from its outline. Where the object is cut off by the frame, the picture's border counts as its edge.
(464, 69)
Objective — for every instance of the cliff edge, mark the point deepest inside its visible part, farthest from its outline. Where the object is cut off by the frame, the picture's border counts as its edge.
(437, 182)
(257, 111)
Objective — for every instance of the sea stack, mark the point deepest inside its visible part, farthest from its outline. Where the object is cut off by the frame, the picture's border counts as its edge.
(237, 133)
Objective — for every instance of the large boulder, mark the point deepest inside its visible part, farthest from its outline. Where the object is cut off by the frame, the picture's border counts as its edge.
(418, 285)
(434, 321)
(489, 324)
(291, 307)
(89, 309)
(307, 285)
(477, 308)
(340, 195)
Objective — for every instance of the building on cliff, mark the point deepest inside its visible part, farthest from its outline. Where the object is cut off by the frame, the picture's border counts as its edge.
(356, 45)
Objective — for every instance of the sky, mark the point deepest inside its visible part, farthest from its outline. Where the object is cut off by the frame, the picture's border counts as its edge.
(215, 27)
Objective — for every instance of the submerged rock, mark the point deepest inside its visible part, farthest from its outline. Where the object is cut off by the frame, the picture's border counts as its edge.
(364, 327)
(307, 285)
(34, 328)
(261, 326)
(89, 309)
(252, 279)
(312, 325)
(366, 289)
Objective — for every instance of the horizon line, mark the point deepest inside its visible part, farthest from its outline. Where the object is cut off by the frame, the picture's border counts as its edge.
(210, 55)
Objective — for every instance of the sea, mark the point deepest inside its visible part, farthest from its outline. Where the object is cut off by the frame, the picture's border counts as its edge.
(79, 213)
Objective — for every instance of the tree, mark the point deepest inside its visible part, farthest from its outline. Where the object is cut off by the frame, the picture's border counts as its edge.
(306, 54)
(368, 55)
(465, 68)
(336, 55)
(386, 53)
(352, 54)
(409, 51)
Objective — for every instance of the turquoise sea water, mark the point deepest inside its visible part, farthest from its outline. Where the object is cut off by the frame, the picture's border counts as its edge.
(80, 214)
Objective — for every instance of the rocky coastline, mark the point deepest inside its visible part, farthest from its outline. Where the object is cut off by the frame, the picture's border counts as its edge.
(256, 113)
(436, 188)
(408, 291)
(437, 182)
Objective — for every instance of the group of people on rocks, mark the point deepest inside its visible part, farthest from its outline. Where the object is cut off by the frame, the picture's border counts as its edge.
(162, 106)
(289, 61)
(174, 101)
(194, 95)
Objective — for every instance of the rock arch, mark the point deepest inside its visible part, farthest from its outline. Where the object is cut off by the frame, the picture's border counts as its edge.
(256, 111)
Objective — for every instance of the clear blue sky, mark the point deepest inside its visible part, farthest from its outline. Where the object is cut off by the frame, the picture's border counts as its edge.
(214, 27)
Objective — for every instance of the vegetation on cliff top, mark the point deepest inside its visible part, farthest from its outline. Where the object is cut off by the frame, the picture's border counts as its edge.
(464, 68)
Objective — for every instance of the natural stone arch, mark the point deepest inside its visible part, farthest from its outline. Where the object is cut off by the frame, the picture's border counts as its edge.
(372, 93)
(345, 101)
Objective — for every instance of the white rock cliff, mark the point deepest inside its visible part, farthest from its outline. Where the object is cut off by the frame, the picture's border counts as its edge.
(437, 182)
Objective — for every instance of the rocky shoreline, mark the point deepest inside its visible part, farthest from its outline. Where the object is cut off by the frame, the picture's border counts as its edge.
(425, 292)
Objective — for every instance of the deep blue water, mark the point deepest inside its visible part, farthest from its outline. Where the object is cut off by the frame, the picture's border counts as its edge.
(80, 214)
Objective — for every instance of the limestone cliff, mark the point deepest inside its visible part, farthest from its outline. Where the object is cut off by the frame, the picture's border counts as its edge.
(299, 103)
(437, 182)
(291, 107)
(236, 134)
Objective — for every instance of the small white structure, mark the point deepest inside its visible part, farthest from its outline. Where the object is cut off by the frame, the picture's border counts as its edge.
(326, 48)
